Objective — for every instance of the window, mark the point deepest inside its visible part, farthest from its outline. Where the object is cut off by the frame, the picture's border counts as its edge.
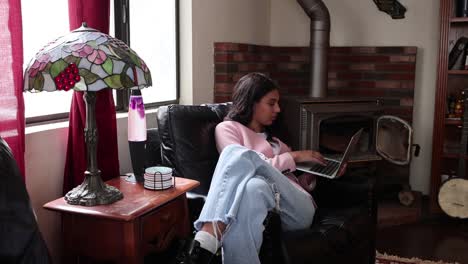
(150, 28)
(153, 37)
(38, 30)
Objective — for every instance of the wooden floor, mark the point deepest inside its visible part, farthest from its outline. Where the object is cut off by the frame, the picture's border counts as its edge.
(433, 238)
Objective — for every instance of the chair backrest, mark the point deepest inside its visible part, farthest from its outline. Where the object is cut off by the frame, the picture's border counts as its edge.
(187, 140)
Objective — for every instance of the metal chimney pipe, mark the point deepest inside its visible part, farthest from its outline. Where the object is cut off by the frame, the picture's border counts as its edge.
(319, 44)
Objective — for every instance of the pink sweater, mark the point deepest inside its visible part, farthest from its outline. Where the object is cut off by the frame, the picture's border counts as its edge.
(232, 132)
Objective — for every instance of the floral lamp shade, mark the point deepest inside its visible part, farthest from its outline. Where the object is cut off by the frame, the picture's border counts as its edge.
(86, 60)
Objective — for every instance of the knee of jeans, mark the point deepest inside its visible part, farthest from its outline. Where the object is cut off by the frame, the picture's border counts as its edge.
(258, 188)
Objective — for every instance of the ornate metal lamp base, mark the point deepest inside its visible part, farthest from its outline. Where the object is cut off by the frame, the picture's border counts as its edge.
(93, 191)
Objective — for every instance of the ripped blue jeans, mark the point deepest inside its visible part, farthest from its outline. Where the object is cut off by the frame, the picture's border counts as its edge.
(243, 189)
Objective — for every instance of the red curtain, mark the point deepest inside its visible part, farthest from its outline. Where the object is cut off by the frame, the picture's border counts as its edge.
(96, 15)
(11, 79)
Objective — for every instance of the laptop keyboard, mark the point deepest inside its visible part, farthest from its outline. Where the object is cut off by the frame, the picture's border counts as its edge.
(328, 169)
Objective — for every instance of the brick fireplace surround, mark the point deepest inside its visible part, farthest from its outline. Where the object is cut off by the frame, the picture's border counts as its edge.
(385, 72)
(352, 71)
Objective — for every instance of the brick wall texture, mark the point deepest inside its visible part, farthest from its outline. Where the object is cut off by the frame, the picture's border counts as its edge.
(386, 72)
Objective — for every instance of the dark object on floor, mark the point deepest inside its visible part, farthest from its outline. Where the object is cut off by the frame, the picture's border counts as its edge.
(192, 253)
(344, 226)
(406, 196)
(20, 239)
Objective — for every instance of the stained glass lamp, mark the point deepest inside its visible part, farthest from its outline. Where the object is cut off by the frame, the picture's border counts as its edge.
(87, 60)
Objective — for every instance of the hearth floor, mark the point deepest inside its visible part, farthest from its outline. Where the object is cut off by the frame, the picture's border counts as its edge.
(393, 213)
(435, 239)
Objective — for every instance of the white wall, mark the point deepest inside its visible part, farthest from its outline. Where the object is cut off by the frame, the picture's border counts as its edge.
(359, 23)
(186, 51)
(45, 161)
(241, 21)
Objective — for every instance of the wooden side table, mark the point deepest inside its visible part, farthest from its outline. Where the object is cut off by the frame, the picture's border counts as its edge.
(143, 222)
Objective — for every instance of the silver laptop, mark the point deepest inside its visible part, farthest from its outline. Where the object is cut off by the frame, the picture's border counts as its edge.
(332, 167)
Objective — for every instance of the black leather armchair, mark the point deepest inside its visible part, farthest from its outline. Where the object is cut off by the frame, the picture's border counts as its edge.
(344, 227)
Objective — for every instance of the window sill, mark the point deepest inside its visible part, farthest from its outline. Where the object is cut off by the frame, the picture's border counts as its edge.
(38, 127)
(41, 127)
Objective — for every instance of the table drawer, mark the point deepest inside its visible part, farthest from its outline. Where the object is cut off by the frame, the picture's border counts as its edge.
(161, 226)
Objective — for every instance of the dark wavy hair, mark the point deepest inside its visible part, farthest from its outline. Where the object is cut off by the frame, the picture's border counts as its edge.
(249, 90)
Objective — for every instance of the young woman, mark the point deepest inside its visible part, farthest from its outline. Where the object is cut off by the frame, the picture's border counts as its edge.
(251, 178)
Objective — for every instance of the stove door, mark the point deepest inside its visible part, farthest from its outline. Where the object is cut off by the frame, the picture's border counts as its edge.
(394, 139)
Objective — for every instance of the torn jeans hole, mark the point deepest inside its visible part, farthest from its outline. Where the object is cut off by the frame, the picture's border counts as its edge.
(276, 193)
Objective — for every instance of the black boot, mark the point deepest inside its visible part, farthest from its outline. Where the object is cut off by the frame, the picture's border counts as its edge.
(192, 253)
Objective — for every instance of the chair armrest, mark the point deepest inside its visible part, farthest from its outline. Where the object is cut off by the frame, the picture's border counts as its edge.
(153, 147)
(334, 236)
(345, 192)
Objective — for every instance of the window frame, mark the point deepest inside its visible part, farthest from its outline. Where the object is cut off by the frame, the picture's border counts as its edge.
(122, 32)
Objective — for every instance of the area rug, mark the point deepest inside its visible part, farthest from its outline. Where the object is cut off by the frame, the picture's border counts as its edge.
(389, 259)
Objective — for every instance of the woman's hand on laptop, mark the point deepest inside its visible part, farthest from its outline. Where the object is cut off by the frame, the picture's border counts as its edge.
(308, 155)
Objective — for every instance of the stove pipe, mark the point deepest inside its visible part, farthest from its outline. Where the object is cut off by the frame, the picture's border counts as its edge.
(319, 44)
